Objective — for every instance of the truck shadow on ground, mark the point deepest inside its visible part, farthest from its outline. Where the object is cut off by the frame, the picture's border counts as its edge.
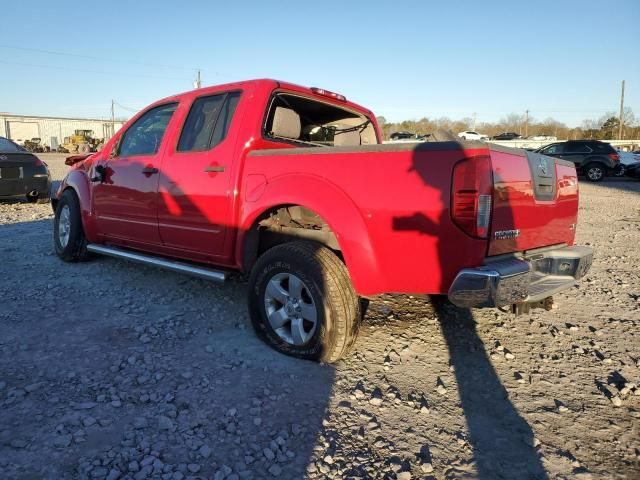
(502, 441)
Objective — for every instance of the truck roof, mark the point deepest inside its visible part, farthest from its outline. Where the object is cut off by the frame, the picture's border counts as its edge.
(267, 82)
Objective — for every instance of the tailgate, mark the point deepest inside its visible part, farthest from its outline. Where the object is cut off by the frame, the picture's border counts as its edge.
(535, 201)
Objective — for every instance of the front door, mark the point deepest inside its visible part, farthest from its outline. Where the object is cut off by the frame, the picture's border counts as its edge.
(196, 188)
(125, 193)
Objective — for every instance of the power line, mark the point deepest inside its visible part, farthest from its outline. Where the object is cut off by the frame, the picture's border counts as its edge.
(130, 109)
(91, 57)
(82, 70)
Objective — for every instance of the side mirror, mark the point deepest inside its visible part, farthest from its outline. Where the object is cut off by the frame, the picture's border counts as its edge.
(99, 174)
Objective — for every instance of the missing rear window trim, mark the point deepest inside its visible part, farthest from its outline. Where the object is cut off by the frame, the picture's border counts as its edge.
(320, 122)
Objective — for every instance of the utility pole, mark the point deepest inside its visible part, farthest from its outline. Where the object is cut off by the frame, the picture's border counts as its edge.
(526, 123)
(113, 117)
(621, 111)
(198, 82)
(474, 121)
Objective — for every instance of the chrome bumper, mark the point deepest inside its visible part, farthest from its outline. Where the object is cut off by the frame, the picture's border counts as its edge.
(517, 280)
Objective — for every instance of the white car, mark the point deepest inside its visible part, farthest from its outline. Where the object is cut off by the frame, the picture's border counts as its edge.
(628, 158)
(549, 138)
(471, 135)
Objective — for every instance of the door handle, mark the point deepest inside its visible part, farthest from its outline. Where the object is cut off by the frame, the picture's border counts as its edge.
(214, 168)
(149, 170)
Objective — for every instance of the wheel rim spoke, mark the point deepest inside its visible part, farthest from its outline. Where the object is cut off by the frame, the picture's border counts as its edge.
(275, 291)
(309, 312)
(298, 335)
(295, 287)
(277, 318)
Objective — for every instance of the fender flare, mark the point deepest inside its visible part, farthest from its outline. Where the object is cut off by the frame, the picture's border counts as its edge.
(596, 159)
(333, 205)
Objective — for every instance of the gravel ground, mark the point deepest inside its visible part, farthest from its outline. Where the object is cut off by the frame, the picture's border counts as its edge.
(114, 370)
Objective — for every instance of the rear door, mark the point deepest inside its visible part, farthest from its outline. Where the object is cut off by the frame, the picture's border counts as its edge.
(576, 152)
(196, 189)
(125, 202)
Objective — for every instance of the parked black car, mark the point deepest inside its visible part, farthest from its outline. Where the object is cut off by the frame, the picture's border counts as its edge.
(506, 136)
(633, 171)
(22, 174)
(593, 159)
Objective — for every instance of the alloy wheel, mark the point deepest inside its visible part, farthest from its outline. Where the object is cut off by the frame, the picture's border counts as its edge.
(290, 308)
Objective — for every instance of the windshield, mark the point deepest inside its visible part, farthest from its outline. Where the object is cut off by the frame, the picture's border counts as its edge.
(7, 146)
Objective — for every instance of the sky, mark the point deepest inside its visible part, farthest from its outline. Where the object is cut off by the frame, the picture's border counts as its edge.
(404, 60)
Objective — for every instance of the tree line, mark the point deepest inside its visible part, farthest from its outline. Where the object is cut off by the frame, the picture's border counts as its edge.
(604, 128)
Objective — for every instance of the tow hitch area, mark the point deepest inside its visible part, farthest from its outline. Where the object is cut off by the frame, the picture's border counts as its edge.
(526, 307)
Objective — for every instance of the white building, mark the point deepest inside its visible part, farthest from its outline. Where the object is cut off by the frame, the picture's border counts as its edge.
(52, 130)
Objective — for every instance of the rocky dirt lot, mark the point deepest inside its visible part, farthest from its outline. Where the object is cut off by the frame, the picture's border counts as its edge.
(117, 371)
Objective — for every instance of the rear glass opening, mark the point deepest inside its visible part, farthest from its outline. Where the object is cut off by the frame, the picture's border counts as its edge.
(309, 122)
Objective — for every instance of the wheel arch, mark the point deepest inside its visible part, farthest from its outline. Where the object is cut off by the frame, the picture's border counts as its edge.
(605, 163)
(333, 207)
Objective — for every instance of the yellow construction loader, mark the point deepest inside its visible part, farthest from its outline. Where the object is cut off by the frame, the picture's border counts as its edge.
(82, 141)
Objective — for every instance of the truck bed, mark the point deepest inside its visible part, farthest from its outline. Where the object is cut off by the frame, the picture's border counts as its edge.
(403, 196)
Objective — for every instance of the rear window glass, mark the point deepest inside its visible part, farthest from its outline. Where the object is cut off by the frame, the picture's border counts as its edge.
(602, 147)
(7, 146)
(208, 122)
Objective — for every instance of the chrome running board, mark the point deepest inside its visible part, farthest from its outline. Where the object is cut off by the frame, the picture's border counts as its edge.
(180, 267)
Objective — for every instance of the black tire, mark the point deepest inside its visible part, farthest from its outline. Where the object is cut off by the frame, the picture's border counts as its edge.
(75, 249)
(325, 282)
(37, 199)
(620, 170)
(594, 172)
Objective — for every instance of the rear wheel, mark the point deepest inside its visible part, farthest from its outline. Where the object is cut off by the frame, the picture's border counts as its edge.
(68, 235)
(620, 171)
(302, 302)
(594, 172)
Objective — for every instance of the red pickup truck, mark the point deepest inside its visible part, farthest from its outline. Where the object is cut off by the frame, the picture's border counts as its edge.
(294, 186)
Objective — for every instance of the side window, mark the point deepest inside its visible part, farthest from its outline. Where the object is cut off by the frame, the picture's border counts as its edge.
(553, 150)
(578, 148)
(145, 135)
(208, 122)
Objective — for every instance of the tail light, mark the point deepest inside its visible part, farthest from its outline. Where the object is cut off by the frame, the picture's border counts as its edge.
(471, 195)
(615, 157)
(38, 162)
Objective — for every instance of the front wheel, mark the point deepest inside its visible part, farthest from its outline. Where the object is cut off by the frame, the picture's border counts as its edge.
(620, 170)
(302, 303)
(595, 172)
(69, 241)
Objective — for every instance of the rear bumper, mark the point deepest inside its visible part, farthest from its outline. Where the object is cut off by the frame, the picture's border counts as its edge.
(18, 188)
(518, 280)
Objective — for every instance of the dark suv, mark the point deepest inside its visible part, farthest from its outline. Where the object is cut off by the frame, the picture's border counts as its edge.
(592, 158)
